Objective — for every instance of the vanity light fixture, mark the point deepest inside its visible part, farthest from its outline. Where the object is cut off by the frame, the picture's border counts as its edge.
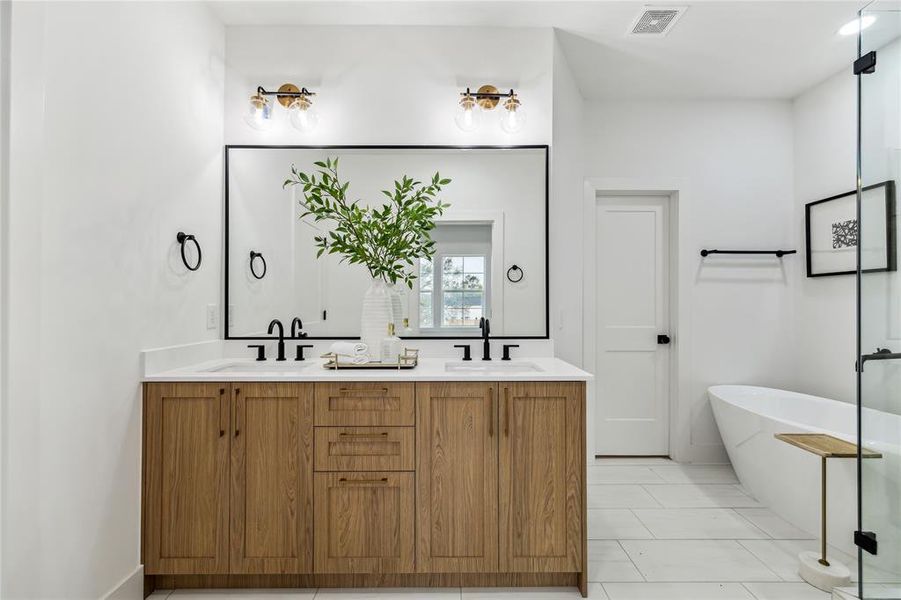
(297, 101)
(471, 105)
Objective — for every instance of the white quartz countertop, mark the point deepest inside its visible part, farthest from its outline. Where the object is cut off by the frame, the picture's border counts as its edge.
(429, 369)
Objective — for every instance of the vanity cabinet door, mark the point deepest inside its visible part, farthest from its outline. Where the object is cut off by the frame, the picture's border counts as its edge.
(272, 478)
(364, 522)
(456, 477)
(185, 487)
(541, 465)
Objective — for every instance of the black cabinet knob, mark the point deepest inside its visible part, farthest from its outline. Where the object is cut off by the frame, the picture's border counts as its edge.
(663, 339)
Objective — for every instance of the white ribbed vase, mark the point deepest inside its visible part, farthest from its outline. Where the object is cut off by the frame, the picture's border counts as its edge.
(377, 313)
(397, 311)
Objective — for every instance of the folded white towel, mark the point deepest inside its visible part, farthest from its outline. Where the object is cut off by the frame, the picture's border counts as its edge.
(356, 352)
(349, 348)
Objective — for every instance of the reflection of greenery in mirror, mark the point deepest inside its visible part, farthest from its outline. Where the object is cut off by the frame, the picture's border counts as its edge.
(461, 297)
(387, 240)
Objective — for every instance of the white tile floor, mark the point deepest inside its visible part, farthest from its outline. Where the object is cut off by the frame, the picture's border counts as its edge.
(657, 531)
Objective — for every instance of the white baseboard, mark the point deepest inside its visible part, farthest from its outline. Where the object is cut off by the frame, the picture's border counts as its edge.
(130, 588)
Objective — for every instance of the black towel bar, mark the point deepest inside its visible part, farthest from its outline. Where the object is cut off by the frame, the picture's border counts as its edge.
(777, 253)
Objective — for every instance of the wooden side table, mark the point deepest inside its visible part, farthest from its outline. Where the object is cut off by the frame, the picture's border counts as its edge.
(819, 572)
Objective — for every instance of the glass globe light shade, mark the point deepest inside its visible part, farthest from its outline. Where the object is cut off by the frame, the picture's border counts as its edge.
(513, 117)
(260, 114)
(303, 116)
(468, 116)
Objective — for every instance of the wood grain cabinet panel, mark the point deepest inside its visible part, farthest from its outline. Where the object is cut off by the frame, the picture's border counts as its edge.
(365, 448)
(272, 478)
(456, 476)
(185, 508)
(364, 522)
(365, 404)
(541, 465)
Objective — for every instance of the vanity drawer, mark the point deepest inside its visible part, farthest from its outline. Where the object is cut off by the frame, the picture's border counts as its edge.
(364, 448)
(365, 404)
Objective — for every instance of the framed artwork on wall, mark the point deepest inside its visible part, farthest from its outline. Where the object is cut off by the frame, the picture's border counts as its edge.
(833, 232)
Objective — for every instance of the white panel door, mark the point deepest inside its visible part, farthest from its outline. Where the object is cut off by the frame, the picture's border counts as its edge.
(632, 291)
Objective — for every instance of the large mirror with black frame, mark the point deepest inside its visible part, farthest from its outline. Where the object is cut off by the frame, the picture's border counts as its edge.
(490, 253)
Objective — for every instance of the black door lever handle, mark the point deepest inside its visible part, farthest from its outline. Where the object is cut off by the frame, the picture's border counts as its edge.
(663, 339)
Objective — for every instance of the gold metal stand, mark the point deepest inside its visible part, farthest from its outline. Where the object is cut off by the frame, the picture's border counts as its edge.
(825, 446)
(408, 360)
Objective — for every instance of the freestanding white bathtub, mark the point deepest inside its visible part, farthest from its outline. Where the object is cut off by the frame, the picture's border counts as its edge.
(784, 478)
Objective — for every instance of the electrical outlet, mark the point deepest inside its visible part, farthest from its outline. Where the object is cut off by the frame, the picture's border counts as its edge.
(212, 316)
(231, 315)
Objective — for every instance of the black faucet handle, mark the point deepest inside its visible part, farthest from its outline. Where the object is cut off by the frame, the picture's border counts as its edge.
(300, 347)
(467, 351)
(261, 350)
(507, 347)
(297, 331)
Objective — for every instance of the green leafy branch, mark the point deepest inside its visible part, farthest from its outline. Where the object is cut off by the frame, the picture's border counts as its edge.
(387, 240)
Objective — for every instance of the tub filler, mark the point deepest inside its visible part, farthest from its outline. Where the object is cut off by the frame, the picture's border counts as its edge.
(781, 477)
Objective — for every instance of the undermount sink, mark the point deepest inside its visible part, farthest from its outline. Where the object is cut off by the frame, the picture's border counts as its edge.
(264, 366)
(513, 366)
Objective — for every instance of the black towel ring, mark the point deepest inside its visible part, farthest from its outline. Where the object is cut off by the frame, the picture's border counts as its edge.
(184, 238)
(511, 274)
(253, 272)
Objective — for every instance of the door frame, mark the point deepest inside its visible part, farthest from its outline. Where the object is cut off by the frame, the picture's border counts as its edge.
(679, 298)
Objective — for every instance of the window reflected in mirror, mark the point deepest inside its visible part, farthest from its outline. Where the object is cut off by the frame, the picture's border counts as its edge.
(458, 298)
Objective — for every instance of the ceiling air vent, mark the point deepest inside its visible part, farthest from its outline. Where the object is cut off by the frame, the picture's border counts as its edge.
(656, 21)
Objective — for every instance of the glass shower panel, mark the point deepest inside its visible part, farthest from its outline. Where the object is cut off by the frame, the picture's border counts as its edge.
(879, 301)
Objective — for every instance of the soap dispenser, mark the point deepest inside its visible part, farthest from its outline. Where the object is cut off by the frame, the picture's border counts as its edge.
(390, 346)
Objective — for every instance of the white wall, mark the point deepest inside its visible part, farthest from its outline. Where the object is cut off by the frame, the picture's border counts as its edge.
(5, 13)
(735, 161)
(388, 85)
(825, 134)
(115, 144)
(567, 175)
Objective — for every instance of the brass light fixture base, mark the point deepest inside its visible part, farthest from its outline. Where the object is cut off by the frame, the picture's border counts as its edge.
(287, 88)
(488, 97)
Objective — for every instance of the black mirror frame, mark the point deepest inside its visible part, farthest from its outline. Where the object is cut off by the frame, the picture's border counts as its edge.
(547, 295)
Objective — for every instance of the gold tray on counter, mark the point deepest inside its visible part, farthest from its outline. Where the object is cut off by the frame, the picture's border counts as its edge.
(408, 360)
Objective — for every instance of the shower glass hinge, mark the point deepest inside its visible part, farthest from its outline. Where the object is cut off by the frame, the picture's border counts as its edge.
(865, 540)
(866, 63)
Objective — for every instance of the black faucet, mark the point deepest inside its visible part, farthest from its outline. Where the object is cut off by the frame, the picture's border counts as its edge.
(486, 346)
(281, 337)
(297, 328)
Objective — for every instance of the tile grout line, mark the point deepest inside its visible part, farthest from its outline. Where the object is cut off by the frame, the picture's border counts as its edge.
(754, 525)
(758, 559)
(648, 492)
(749, 590)
(643, 524)
(629, 556)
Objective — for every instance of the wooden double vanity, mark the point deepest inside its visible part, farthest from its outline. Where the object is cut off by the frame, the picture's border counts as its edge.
(364, 484)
